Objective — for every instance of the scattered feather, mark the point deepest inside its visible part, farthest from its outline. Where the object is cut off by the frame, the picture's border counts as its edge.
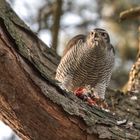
(134, 98)
(120, 122)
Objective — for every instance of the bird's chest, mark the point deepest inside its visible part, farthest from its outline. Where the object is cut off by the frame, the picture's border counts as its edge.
(94, 61)
(93, 66)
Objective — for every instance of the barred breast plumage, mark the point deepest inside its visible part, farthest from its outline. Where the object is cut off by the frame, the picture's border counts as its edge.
(87, 60)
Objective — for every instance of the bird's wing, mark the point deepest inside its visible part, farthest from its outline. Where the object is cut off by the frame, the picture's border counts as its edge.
(111, 46)
(73, 42)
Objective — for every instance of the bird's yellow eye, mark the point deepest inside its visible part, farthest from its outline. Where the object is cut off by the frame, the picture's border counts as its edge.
(92, 33)
(103, 34)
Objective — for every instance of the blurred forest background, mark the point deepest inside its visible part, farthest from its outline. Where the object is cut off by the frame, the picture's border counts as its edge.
(57, 21)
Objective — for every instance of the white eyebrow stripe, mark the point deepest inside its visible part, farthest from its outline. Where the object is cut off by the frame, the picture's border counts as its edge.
(103, 32)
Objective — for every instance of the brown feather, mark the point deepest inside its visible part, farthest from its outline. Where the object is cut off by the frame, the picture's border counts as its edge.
(72, 42)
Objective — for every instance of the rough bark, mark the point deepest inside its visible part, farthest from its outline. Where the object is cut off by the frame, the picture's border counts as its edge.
(33, 105)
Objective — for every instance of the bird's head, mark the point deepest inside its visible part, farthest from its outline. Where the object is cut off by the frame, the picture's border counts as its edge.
(96, 36)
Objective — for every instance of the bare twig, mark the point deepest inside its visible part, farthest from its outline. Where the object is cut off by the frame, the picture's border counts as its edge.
(56, 23)
(131, 13)
(44, 13)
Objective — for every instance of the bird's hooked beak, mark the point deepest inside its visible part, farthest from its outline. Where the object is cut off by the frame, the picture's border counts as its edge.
(93, 38)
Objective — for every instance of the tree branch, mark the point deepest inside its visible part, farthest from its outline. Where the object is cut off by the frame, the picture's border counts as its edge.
(133, 84)
(56, 24)
(130, 14)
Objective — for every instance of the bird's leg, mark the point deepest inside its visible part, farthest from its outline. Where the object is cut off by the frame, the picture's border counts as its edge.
(93, 96)
(98, 96)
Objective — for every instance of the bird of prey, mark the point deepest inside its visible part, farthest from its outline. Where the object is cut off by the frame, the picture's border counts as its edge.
(87, 60)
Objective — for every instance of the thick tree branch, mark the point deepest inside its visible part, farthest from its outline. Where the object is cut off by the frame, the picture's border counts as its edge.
(30, 101)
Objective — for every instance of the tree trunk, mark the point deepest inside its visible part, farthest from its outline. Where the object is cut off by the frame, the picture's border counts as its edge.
(33, 105)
